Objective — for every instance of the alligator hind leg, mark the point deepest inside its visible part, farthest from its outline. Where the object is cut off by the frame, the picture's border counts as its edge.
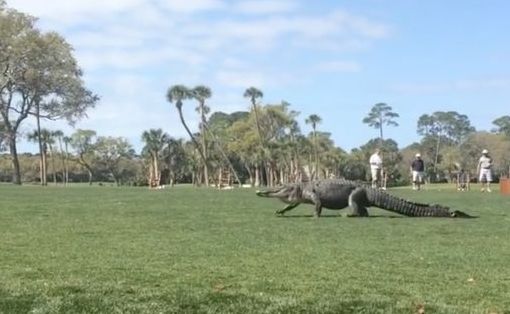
(287, 208)
(357, 201)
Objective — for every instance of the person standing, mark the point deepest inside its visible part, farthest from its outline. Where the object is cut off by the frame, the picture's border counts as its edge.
(485, 171)
(376, 168)
(417, 169)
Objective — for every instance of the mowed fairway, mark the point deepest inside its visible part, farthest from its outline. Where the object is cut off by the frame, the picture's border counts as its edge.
(184, 250)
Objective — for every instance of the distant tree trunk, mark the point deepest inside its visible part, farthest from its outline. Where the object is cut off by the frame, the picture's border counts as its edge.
(82, 162)
(42, 153)
(381, 138)
(193, 178)
(436, 158)
(250, 174)
(151, 173)
(316, 149)
(156, 173)
(257, 176)
(44, 165)
(90, 175)
(66, 165)
(204, 146)
(62, 159)
(115, 176)
(16, 175)
(52, 155)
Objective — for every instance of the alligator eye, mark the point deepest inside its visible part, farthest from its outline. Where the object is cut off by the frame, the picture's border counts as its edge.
(453, 214)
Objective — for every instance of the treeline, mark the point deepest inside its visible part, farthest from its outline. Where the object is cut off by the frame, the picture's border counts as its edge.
(231, 149)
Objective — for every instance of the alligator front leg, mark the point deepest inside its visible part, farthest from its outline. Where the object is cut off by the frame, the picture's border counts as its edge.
(314, 199)
(281, 212)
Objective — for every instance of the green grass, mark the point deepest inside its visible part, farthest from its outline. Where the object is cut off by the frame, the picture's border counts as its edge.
(184, 250)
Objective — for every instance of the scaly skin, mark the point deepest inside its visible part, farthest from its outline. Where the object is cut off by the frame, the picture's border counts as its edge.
(339, 194)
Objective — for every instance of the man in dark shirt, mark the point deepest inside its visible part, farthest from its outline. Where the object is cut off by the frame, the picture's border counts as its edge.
(417, 169)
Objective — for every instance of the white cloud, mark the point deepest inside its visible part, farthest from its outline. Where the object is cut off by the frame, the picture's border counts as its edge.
(240, 78)
(456, 85)
(190, 6)
(338, 66)
(73, 11)
(92, 59)
(265, 6)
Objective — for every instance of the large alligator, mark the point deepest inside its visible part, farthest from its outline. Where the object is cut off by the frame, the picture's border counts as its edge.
(339, 194)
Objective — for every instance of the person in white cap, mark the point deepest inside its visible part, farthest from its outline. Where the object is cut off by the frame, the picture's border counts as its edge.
(376, 168)
(417, 169)
(485, 170)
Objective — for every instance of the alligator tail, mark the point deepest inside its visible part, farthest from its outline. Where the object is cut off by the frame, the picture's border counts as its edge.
(401, 206)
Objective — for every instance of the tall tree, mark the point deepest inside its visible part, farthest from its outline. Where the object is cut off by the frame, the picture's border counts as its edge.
(449, 127)
(176, 94)
(313, 120)
(381, 114)
(503, 125)
(201, 93)
(253, 94)
(38, 76)
(16, 34)
(110, 151)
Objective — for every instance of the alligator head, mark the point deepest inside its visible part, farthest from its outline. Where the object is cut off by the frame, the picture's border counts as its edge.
(289, 193)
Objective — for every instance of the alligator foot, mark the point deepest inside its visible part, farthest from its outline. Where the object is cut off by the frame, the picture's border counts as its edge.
(356, 215)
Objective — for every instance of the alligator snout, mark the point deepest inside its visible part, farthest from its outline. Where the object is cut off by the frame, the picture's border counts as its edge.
(262, 193)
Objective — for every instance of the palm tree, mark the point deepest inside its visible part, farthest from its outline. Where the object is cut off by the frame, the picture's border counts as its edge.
(155, 140)
(42, 137)
(314, 119)
(176, 94)
(253, 93)
(201, 93)
(379, 115)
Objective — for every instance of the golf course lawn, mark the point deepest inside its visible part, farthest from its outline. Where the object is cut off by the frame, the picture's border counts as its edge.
(103, 249)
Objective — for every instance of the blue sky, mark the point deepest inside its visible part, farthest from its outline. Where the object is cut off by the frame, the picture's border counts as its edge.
(331, 58)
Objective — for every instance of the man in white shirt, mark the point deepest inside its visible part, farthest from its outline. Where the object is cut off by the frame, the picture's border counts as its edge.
(484, 170)
(376, 168)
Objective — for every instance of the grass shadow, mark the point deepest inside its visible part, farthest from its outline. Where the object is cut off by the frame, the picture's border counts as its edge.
(340, 216)
(10, 303)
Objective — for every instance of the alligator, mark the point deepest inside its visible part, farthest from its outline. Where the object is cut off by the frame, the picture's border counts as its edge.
(339, 194)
